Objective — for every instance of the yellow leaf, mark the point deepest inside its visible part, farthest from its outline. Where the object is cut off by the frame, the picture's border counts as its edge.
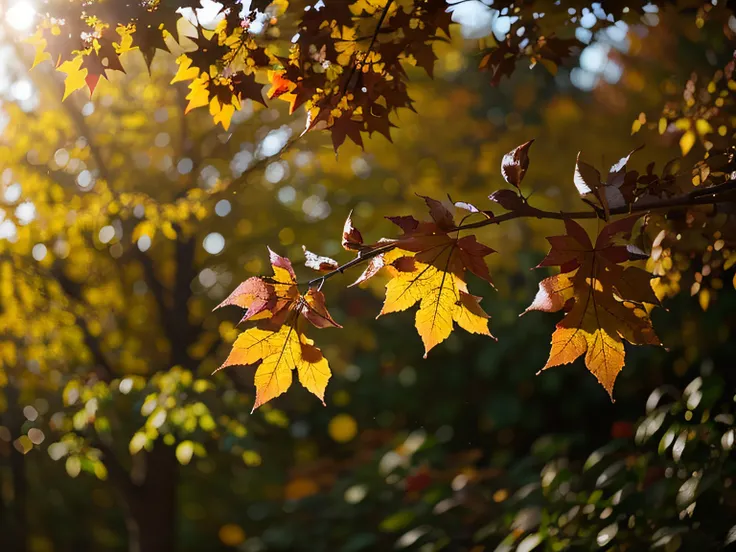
(185, 72)
(184, 452)
(313, 371)
(126, 40)
(199, 94)
(39, 43)
(703, 127)
(590, 330)
(662, 125)
(281, 352)
(222, 113)
(279, 344)
(687, 141)
(75, 75)
(470, 316)
(442, 296)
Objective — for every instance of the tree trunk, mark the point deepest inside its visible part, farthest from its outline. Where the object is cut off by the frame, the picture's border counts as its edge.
(17, 513)
(20, 517)
(151, 505)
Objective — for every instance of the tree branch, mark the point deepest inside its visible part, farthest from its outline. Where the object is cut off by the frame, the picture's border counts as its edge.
(705, 196)
(355, 66)
(114, 466)
(149, 273)
(360, 259)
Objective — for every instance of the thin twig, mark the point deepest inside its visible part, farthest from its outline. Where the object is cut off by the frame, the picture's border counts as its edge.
(361, 258)
(708, 196)
(358, 64)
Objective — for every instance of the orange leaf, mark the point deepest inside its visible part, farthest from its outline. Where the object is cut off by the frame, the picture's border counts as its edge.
(277, 345)
(604, 300)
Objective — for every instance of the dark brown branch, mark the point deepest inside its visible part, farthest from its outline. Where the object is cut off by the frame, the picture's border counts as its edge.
(381, 19)
(360, 259)
(696, 197)
(149, 273)
(180, 331)
(357, 65)
(706, 196)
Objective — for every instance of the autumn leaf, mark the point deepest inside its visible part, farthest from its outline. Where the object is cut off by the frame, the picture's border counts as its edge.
(76, 75)
(515, 164)
(278, 344)
(315, 310)
(609, 193)
(465, 206)
(428, 266)
(603, 301)
(352, 239)
(587, 179)
(278, 353)
(318, 262)
(255, 295)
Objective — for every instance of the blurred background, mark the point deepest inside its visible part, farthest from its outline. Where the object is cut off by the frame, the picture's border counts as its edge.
(118, 237)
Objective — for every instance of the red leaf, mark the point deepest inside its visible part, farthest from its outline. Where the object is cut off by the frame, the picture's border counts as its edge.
(407, 223)
(352, 240)
(508, 199)
(439, 213)
(316, 312)
(587, 179)
(281, 262)
(515, 163)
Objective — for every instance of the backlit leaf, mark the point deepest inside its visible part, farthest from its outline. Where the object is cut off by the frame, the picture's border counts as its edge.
(603, 300)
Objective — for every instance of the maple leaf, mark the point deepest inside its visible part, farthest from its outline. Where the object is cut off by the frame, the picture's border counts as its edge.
(209, 50)
(76, 75)
(246, 86)
(604, 301)
(428, 266)
(278, 344)
(102, 58)
(279, 352)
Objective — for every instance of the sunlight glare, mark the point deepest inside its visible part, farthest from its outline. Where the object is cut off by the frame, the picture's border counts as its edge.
(21, 15)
